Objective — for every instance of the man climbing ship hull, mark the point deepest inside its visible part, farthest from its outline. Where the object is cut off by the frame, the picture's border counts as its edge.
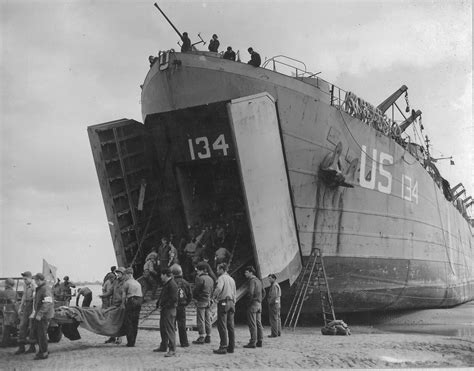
(389, 237)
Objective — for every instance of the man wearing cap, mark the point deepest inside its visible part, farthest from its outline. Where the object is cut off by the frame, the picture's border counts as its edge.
(132, 299)
(26, 308)
(214, 44)
(65, 290)
(204, 285)
(43, 312)
(274, 306)
(8, 297)
(255, 295)
(115, 293)
(225, 296)
(185, 296)
(167, 302)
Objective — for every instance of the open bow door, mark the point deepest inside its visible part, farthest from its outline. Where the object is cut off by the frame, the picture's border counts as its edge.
(261, 160)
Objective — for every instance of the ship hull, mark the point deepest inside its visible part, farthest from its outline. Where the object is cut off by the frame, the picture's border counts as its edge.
(391, 242)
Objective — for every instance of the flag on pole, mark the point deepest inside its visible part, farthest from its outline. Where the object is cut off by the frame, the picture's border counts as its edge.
(49, 272)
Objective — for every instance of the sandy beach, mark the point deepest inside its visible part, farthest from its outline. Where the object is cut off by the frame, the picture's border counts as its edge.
(423, 339)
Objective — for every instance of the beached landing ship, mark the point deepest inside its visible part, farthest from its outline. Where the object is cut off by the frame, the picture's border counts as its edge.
(286, 164)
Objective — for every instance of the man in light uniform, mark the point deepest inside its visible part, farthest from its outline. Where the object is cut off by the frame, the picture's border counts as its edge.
(26, 308)
(225, 296)
(132, 299)
(274, 306)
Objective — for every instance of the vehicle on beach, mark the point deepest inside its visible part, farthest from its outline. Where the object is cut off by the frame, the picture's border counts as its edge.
(287, 162)
(10, 321)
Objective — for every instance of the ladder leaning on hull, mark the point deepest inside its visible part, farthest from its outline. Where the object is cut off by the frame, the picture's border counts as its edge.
(313, 276)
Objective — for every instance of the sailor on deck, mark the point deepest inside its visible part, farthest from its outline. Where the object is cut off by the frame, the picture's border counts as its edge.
(254, 58)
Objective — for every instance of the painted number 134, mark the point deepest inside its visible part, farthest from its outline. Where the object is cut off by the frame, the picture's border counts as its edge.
(200, 147)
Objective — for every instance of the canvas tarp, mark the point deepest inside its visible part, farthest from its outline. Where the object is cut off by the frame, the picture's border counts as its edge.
(107, 322)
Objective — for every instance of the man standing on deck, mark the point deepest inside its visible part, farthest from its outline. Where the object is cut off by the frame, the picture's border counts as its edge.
(186, 47)
(274, 306)
(132, 299)
(225, 295)
(203, 288)
(168, 302)
(255, 295)
(43, 312)
(254, 58)
(214, 44)
(26, 308)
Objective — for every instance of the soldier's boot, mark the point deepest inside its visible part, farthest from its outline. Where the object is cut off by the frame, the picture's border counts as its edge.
(21, 349)
(31, 349)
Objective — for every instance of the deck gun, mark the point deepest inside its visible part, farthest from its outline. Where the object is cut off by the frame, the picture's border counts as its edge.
(177, 31)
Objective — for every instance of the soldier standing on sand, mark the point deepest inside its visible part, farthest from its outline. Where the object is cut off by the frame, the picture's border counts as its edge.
(168, 302)
(132, 299)
(274, 306)
(65, 289)
(26, 308)
(255, 295)
(203, 288)
(115, 293)
(225, 296)
(43, 312)
(185, 296)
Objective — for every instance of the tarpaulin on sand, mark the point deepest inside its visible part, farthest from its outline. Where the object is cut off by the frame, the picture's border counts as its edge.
(107, 322)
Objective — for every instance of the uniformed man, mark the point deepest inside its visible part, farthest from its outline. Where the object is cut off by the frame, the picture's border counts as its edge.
(25, 310)
(255, 59)
(225, 295)
(255, 295)
(132, 299)
(8, 297)
(167, 303)
(65, 289)
(229, 54)
(43, 312)
(202, 292)
(186, 46)
(274, 306)
(115, 295)
(185, 296)
(214, 44)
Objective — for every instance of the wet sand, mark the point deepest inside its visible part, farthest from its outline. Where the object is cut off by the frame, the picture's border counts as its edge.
(421, 339)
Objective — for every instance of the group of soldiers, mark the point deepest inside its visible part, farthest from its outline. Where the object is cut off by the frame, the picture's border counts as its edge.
(176, 295)
(35, 311)
(214, 44)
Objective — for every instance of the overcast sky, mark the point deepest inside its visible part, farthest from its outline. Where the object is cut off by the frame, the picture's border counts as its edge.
(66, 65)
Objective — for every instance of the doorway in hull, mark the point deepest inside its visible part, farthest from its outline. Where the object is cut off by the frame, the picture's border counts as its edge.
(214, 210)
